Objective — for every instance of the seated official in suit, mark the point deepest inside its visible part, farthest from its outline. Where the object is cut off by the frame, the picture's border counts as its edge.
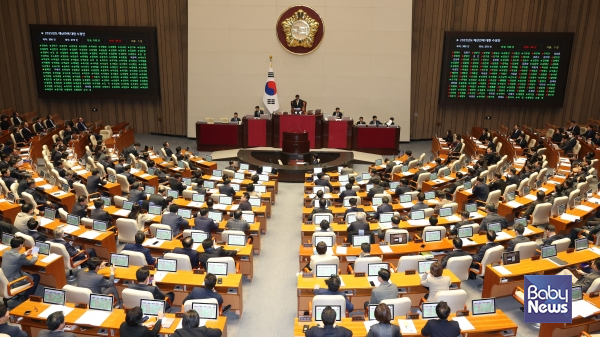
(348, 192)
(191, 327)
(58, 235)
(133, 327)
(98, 213)
(491, 238)
(257, 111)
(375, 121)
(360, 224)
(168, 151)
(353, 208)
(33, 225)
(328, 316)
(226, 188)
(298, 106)
(174, 220)
(385, 207)
(324, 226)
(376, 189)
(403, 187)
(492, 217)
(140, 237)
(551, 236)
(480, 190)
(498, 184)
(193, 254)
(512, 177)
(203, 223)
(456, 252)
(235, 118)
(384, 327)
(386, 289)
(321, 249)
(323, 182)
(361, 121)
(441, 327)
(5, 328)
(208, 291)
(333, 288)
(540, 199)
(176, 184)
(568, 146)
(420, 171)
(94, 182)
(337, 114)
(237, 223)
(158, 199)
(136, 193)
(516, 132)
(583, 279)
(56, 325)
(244, 203)
(346, 169)
(519, 230)
(321, 209)
(574, 128)
(420, 203)
(435, 281)
(97, 283)
(143, 283)
(23, 217)
(211, 251)
(13, 262)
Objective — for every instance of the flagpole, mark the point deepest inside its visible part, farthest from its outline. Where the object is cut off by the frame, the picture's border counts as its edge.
(271, 61)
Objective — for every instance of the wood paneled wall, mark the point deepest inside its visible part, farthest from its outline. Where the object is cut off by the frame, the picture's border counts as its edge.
(432, 17)
(17, 74)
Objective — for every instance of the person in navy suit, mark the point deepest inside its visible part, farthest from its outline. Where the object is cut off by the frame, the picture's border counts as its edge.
(11, 330)
(353, 207)
(385, 207)
(200, 293)
(298, 106)
(137, 247)
(323, 182)
(491, 237)
(574, 128)
(193, 254)
(333, 288)
(441, 327)
(226, 188)
(516, 132)
(375, 121)
(328, 317)
(33, 225)
(348, 192)
(39, 127)
(481, 190)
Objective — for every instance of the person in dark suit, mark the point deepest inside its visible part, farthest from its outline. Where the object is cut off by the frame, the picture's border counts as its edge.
(38, 126)
(168, 151)
(235, 118)
(328, 317)
(516, 132)
(360, 121)
(590, 132)
(348, 192)
(133, 327)
(497, 184)
(16, 119)
(158, 199)
(458, 182)
(455, 150)
(191, 327)
(403, 187)
(56, 325)
(80, 207)
(208, 291)
(385, 207)
(376, 189)
(384, 327)
(298, 106)
(441, 327)
(26, 131)
(11, 330)
(323, 182)
(490, 157)
(456, 252)
(574, 128)
(521, 141)
(491, 237)
(257, 112)
(226, 188)
(333, 288)
(596, 139)
(4, 124)
(49, 122)
(94, 182)
(337, 113)
(193, 254)
(551, 236)
(568, 146)
(375, 121)
(481, 190)
(58, 235)
(420, 203)
(541, 196)
(512, 177)
(464, 220)
(203, 223)
(13, 261)
(359, 225)
(244, 204)
(140, 237)
(174, 220)
(519, 230)
(353, 208)
(420, 171)
(33, 225)
(97, 283)
(211, 251)
(143, 283)
(137, 194)
(18, 138)
(492, 217)
(321, 209)
(68, 134)
(132, 150)
(98, 213)
(485, 136)
(558, 135)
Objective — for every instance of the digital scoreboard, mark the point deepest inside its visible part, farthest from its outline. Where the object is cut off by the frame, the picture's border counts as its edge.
(493, 68)
(95, 62)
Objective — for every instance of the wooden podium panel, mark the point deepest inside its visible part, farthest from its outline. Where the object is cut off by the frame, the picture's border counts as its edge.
(312, 124)
(337, 133)
(257, 132)
(295, 142)
(218, 136)
(380, 140)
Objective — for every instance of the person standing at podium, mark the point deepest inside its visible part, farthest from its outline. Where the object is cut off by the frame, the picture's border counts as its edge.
(298, 106)
(257, 111)
(375, 121)
(337, 113)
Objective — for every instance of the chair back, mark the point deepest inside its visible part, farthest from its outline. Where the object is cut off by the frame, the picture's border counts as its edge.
(76, 294)
(187, 305)
(119, 200)
(61, 250)
(508, 189)
(491, 170)
(562, 245)
(29, 241)
(127, 229)
(458, 189)
(595, 286)
(409, 262)
(428, 211)
(557, 202)
(361, 264)
(412, 164)
(456, 299)
(532, 180)
(452, 205)
(542, 175)
(122, 180)
(434, 228)
(14, 189)
(183, 261)
(422, 157)
(28, 198)
(494, 198)
(63, 214)
(574, 194)
(135, 258)
(229, 260)
(583, 188)
(87, 222)
(492, 255)
(413, 194)
(5, 285)
(215, 197)
(549, 133)
(328, 215)
(132, 297)
(459, 266)
(80, 189)
(333, 300)
(541, 214)
(526, 249)
(229, 173)
(315, 234)
(401, 305)
(155, 226)
(389, 232)
(422, 177)
(226, 233)
(3, 188)
(358, 199)
(522, 185)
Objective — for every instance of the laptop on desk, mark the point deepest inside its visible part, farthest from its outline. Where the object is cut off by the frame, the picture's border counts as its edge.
(549, 252)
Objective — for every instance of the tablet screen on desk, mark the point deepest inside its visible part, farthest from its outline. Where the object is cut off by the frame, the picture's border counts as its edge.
(164, 234)
(6, 238)
(225, 200)
(99, 225)
(206, 310)
(197, 197)
(429, 310)
(484, 306)
(267, 169)
(119, 260)
(357, 240)
(317, 170)
(263, 177)
(319, 310)
(54, 296)
(217, 268)
(548, 251)
(173, 193)
(343, 178)
(44, 248)
(465, 232)
(326, 270)
(152, 307)
(216, 216)
(377, 201)
(417, 215)
(446, 211)
(429, 195)
(393, 185)
(471, 208)
(106, 201)
(149, 189)
(318, 218)
(318, 188)
(72, 220)
(244, 167)
(236, 240)
(238, 175)
(209, 184)
(405, 198)
(386, 217)
(236, 187)
(366, 176)
(154, 210)
(100, 302)
(169, 265)
(198, 236)
(128, 205)
(217, 173)
(581, 244)
(576, 293)
(374, 268)
(496, 227)
(249, 217)
(351, 217)
(254, 202)
(185, 213)
(467, 185)
(431, 236)
(327, 239)
(260, 188)
(398, 238)
(49, 213)
(425, 266)
(522, 221)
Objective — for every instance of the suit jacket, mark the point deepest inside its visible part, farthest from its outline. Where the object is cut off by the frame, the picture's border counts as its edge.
(5, 125)
(515, 134)
(21, 222)
(531, 207)
(237, 225)
(93, 184)
(70, 249)
(380, 330)
(375, 190)
(297, 104)
(205, 224)
(481, 252)
(215, 252)
(346, 193)
(347, 170)
(93, 281)
(383, 208)
(418, 173)
(100, 214)
(574, 130)
(198, 332)
(513, 242)
(385, 291)
(498, 185)
(492, 218)
(79, 210)
(49, 124)
(192, 254)
(441, 328)
(451, 254)
(12, 261)
(481, 192)
(377, 122)
(81, 126)
(245, 206)
(158, 200)
(48, 333)
(169, 152)
(569, 145)
(174, 221)
(358, 225)
(137, 195)
(353, 209)
(512, 179)
(39, 127)
(200, 293)
(178, 186)
(158, 295)
(321, 291)
(134, 247)
(139, 330)
(402, 189)
(227, 190)
(324, 182)
(419, 206)
(37, 236)
(235, 119)
(12, 330)
(258, 113)
(27, 134)
(586, 281)
(330, 331)
(548, 241)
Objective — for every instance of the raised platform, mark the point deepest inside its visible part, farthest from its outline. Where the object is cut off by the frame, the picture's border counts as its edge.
(289, 171)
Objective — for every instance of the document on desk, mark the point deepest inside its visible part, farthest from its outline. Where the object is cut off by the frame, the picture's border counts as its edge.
(46, 186)
(583, 308)
(452, 218)
(220, 206)
(502, 270)
(406, 204)
(369, 324)
(470, 191)
(553, 182)
(407, 326)
(93, 317)
(90, 235)
(54, 308)
(475, 215)
(341, 250)
(433, 201)
(237, 181)
(58, 193)
(386, 249)
(527, 231)
(595, 250)
(51, 258)
(151, 243)
(467, 242)
(196, 204)
(514, 204)
(215, 178)
(81, 172)
(584, 208)
(234, 207)
(569, 217)
(423, 222)
(594, 200)
(179, 326)
(45, 221)
(2, 247)
(122, 212)
(407, 173)
(37, 180)
(385, 225)
(464, 323)
(145, 175)
(70, 228)
(503, 236)
(531, 197)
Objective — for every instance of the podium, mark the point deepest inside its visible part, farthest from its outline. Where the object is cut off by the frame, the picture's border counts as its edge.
(295, 142)
(311, 124)
(337, 133)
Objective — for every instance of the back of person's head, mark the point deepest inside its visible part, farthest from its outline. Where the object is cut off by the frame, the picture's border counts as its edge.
(352, 201)
(188, 242)
(32, 224)
(421, 197)
(203, 211)
(320, 194)
(384, 274)
(93, 263)
(210, 281)
(133, 316)
(210, 202)
(442, 310)
(459, 175)
(173, 208)
(480, 179)
(55, 320)
(376, 181)
(396, 220)
(383, 313)
(404, 181)
(324, 225)
(140, 237)
(409, 153)
(328, 316)
(360, 216)
(519, 228)
(491, 235)
(237, 214)
(551, 228)
(250, 187)
(436, 269)
(321, 248)
(433, 220)
(385, 199)
(16, 242)
(489, 207)
(465, 214)
(26, 208)
(365, 247)
(142, 274)
(320, 175)
(333, 283)
(95, 172)
(207, 243)
(540, 195)
(322, 203)
(457, 242)
(98, 203)
(3, 310)
(190, 320)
